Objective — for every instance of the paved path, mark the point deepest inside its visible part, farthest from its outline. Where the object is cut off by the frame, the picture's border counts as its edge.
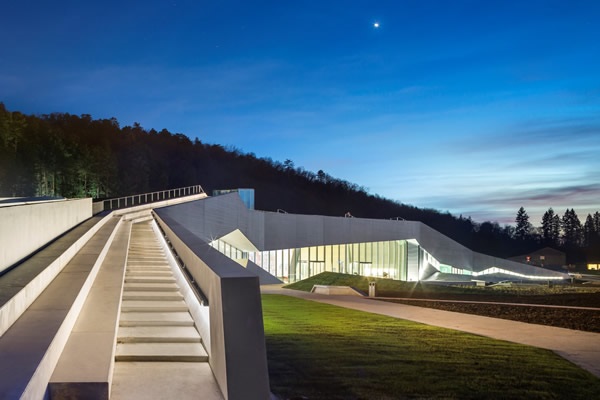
(579, 347)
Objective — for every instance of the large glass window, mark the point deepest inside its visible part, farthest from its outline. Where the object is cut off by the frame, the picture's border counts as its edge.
(386, 259)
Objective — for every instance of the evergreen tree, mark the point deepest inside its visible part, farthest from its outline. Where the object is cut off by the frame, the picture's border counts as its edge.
(597, 222)
(572, 230)
(556, 224)
(523, 227)
(589, 231)
(550, 228)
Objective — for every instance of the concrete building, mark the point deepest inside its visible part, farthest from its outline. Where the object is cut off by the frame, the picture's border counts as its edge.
(292, 247)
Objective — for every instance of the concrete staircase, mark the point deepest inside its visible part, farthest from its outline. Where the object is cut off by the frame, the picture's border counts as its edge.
(155, 323)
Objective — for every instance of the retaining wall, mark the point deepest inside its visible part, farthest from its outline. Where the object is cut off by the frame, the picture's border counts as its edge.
(27, 227)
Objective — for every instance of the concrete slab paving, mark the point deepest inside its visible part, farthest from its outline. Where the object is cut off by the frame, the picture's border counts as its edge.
(581, 348)
(164, 381)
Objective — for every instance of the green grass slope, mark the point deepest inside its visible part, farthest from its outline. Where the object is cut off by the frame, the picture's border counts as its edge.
(318, 351)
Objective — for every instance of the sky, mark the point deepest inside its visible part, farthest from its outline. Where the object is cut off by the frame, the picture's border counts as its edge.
(471, 107)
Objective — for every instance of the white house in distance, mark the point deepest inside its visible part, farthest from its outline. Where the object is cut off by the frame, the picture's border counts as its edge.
(293, 247)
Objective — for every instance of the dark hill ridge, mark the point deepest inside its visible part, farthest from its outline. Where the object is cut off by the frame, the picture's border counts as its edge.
(76, 156)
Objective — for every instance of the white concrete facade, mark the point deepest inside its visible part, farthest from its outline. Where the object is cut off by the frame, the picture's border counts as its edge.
(226, 218)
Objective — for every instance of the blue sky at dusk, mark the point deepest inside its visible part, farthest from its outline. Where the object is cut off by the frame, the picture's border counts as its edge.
(474, 107)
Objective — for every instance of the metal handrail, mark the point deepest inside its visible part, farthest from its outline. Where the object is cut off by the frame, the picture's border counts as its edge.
(145, 198)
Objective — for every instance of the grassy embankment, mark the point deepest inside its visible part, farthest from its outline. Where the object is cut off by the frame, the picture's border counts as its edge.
(318, 351)
(565, 295)
(392, 288)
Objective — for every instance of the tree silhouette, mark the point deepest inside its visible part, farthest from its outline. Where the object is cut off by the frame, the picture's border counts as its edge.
(572, 230)
(550, 228)
(523, 227)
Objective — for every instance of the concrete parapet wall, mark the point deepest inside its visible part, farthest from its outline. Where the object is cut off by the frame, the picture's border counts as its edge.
(15, 307)
(97, 207)
(336, 290)
(27, 227)
(236, 343)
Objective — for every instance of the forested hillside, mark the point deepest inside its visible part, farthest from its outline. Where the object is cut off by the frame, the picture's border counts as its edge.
(77, 156)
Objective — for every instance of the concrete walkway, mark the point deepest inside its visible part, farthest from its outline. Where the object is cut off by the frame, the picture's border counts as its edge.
(579, 347)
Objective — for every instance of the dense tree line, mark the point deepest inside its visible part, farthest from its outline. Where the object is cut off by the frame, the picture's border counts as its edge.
(77, 156)
(579, 241)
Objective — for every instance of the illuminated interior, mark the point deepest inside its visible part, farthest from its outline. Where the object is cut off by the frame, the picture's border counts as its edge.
(402, 260)
(395, 259)
(379, 259)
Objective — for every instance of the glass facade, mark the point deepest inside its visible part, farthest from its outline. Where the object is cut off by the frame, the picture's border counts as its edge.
(386, 259)
(402, 260)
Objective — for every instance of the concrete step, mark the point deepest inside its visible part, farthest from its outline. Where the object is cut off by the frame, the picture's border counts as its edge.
(148, 269)
(158, 334)
(162, 264)
(149, 279)
(143, 256)
(161, 352)
(180, 318)
(153, 306)
(143, 287)
(145, 249)
(151, 296)
(146, 261)
(151, 272)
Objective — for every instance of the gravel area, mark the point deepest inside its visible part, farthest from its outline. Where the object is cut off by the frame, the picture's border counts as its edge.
(585, 320)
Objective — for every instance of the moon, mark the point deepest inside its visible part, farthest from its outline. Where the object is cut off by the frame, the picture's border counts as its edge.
(376, 25)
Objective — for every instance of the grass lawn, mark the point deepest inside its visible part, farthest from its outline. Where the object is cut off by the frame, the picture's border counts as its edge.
(319, 351)
(564, 295)
(574, 295)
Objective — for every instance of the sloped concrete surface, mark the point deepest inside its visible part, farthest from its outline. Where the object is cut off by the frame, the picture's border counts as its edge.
(84, 369)
(31, 347)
